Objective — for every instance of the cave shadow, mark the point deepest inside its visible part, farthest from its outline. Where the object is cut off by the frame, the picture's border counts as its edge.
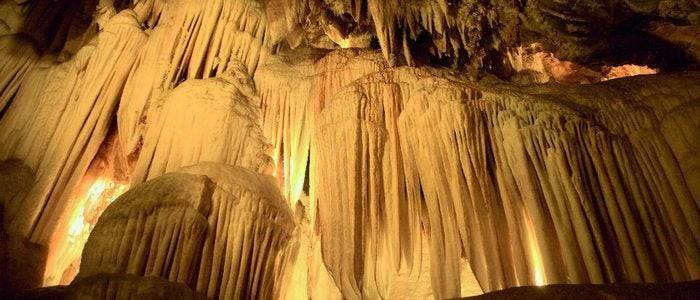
(22, 263)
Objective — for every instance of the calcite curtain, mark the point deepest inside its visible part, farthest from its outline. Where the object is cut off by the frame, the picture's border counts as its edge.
(343, 149)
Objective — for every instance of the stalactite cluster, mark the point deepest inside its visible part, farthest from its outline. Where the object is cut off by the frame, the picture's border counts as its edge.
(446, 29)
(225, 127)
(334, 149)
(528, 189)
(56, 123)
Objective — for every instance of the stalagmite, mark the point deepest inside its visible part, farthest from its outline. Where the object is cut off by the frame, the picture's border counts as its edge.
(225, 232)
(364, 149)
(164, 218)
(249, 219)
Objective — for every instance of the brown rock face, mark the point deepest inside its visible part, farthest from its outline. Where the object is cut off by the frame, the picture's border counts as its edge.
(114, 286)
(334, 149)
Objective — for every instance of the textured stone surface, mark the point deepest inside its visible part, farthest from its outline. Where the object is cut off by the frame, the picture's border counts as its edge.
(113, 286)
(531, 185)
(685, 290)
(56, 123)
(223, 231)
(222, 126)
(413, 147)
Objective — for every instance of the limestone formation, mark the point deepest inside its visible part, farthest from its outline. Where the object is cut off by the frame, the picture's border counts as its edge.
(18, 57)
(425, 139)
(360, 149)
(225, 127)
(189, 40)
(115, 286)
(225, 232)
(119, 286)
(56, 123)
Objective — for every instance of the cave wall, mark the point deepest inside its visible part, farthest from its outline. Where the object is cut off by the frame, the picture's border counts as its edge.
(531, 184)
(428, 160)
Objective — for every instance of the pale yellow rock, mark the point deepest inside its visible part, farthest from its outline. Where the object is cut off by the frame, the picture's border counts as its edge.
(56, 123)
(539, 185)
(189, 39)
(387, 181)
(285, 89)
(18, 54)
(224, 231)
(251, 237)
(291, 91)
(155, 229)
(213, 119)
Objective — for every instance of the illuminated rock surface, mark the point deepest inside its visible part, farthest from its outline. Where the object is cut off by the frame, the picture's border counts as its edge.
(224, 127)
(223, 231)
(334, 149)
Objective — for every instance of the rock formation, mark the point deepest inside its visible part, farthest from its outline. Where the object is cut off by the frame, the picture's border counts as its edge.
(427, 139)
(225, 127)
(346, 149)
(223, 231)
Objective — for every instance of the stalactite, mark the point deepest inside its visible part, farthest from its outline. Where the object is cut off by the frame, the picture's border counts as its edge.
(82, 97)
(680, 128)
(18, 57)
(452, 27)
(290, 93)
(225, 127)
(393, 175)
(95, 78)
(190, 40)
(448, 175)
(386, 236)
(528, 190)
(285, 88)
(309, 276)
(353, 208)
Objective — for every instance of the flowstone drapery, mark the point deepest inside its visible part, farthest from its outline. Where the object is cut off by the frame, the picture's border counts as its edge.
(334, 149)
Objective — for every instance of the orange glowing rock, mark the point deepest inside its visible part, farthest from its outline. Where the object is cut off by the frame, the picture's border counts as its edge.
(627, 70)
(102, 192)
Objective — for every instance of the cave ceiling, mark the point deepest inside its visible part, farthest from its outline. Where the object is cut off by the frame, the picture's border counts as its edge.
(474, 35)
(329, 149)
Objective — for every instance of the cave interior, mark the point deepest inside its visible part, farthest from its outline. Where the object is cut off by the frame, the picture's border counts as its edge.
(349, 149)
